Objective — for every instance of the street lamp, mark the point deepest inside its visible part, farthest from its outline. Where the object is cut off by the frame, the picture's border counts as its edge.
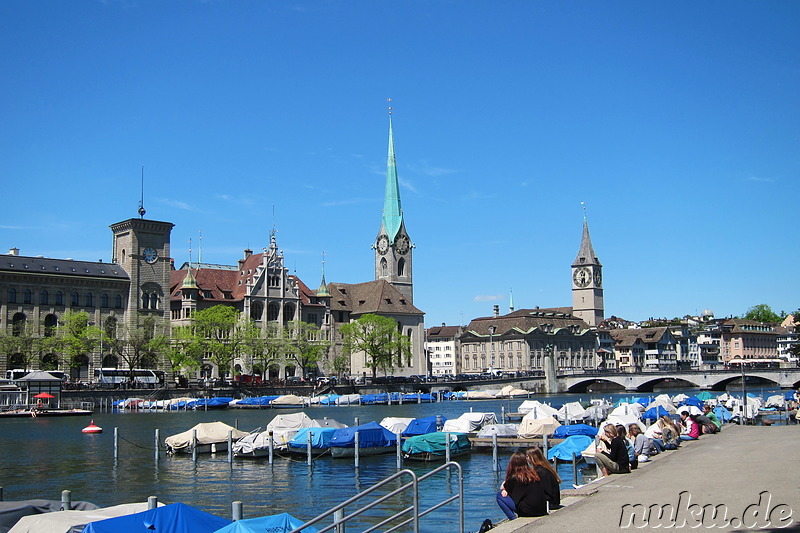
(744, 393)
(492, 329)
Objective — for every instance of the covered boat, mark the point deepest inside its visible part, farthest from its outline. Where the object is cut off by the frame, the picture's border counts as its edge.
(433, 446)
(173, 518)
(276, 523)
(287, 401)
(320, 439)
(68, 521)
(571, 411)
(396, 424)
(575, 444)
(501, 430)
(421, 426)
(563, 432)
(509, 391)
(373, 439)
(469, 422)
(537, 409)
(212, 437)
(531, 426)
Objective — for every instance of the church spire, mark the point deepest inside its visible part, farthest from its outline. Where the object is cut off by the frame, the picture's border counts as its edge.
(586, 255)
(392, 211)
(323, 287)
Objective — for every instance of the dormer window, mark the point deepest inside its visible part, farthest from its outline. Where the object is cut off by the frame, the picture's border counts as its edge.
(402, 302)
(389, 301)
(362, 302)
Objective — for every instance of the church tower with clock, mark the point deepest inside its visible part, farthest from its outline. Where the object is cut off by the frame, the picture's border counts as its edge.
(141, 248)
(393, 248)
(587, 282)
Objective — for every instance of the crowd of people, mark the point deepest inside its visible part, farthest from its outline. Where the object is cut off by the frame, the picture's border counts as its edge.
(531, 485)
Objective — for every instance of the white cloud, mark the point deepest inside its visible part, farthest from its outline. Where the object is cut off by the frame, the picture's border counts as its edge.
(489, 297)
(177, 204)
(758, 179)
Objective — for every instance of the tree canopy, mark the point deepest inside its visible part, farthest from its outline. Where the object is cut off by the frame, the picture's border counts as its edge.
(762, 313)
(379, 339)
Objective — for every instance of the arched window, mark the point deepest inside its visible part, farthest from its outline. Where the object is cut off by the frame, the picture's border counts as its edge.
(43, 297)
(110, 361)
(12, 296)
(273, 310)
(118, 301)
(89, 299)
(288, 312)
(27, 296)
(256, 311)
(50, 362)
(50, 325)
(384, 267)
(59, 298)
(154, 301)
(76, 299)
(18, 324)
(110, 327)
(104, 300)
(145, 301)
(401, 267)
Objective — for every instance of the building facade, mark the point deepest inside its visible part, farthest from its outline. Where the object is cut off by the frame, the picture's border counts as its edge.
(442, 346)
(587, 282)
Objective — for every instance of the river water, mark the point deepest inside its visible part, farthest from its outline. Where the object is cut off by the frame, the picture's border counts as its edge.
(43, 456)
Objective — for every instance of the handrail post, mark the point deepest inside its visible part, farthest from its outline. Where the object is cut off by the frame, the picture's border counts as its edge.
(355, 448)
(495, 465)
(447, 448)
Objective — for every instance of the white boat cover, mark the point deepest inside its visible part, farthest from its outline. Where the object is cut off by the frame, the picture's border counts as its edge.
(285, 427)
(678, 398)
(775, 401)
(627, 409)
(666, 404)
(539, 409)
(478, 395)
(327, 423)
(207, 433)
(469, 422)
(692, 409)
(509, 391)
(348, 399)
(69, 521)
(625, 420)
(501, 430)
(536, 427)
(396, 424)
(572, 410)
(288, 399)
(662, 398)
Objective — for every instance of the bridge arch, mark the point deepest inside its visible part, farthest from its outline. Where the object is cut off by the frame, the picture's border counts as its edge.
(648, 386)
(722, 384)
(583, 385)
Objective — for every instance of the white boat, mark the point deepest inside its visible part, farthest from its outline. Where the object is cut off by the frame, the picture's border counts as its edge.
(212, 437)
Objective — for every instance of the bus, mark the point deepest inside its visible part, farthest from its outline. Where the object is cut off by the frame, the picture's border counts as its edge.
(138, 378)
(18, 373)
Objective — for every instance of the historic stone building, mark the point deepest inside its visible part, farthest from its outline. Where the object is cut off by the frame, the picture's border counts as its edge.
(587, 282)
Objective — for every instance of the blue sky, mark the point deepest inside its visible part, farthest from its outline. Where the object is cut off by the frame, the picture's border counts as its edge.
(677, 123)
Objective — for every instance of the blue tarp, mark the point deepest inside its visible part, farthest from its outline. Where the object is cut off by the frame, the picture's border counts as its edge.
(788, 395)
(574, 444)
(329, 399)
(655, 412)
(174, 518)
(277, 523)
(575, 429)
(723, 414)
(370, 435)
(258, 400)
(693, 400)
(644, 402)
(422, 426)
(210, 402)
(373, 399)
(414, 397)
(320, 437)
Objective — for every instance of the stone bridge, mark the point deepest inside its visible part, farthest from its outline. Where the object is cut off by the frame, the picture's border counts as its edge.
(717, 380)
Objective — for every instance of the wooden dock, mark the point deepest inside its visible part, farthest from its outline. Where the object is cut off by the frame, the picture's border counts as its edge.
(513, 442)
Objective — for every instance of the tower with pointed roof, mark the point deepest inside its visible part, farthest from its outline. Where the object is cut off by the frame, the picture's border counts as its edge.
(393, 247)
(587, 282)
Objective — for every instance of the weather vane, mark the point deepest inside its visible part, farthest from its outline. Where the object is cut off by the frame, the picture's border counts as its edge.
(390, 105)
(584, 210)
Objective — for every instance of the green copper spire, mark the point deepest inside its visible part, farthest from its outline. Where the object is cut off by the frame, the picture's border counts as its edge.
(323, 287)
(392, 211)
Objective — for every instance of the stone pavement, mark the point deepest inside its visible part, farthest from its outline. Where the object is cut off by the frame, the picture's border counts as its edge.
(752, 471)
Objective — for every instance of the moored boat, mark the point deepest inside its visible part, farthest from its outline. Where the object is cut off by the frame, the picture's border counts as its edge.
(373, 439)
(433, 446)
(212, 437)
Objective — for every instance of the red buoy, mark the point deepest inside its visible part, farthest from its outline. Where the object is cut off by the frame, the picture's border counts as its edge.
(91, 428)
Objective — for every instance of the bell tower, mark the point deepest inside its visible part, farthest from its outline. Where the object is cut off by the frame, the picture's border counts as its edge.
(587, 281)
(393, 248)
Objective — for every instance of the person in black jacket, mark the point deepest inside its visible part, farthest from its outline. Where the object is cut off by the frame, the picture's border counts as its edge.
(527, 489)
(612, 452)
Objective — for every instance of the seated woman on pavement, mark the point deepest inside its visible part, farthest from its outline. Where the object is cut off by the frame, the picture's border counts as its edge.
(708, 412)
(527, 490)
(552, 488)
(642, 445)
(623, 433)
(691, 428)
(612, 454)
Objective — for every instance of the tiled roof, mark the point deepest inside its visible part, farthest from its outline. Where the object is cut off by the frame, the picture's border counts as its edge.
(444, 331)
(525, 320)
(379, 297)
(61, 267)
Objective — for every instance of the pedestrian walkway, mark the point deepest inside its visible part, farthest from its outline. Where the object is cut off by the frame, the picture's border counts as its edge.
(750, 470)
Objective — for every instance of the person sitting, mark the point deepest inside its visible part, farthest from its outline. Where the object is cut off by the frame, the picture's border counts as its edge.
(708, 411)
(613, 459)
(549, 476)
(623, 434)
(526, 490)
(642, 445)
(691, 428)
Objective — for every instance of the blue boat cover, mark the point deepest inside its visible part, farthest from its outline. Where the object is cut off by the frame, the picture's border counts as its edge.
(693, 400)
(173, 518)
(643, 401)
(421, 426)
(210, 402)
(655, 412)
(320, 438)
(258, 400)
(370, 435)
(723, 414)
(574, 444)
(574, 429)
(276, 523)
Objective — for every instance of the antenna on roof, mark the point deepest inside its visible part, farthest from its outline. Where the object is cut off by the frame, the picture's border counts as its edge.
(141, 200)
(200, 251)
(190, 252)
(584, 210)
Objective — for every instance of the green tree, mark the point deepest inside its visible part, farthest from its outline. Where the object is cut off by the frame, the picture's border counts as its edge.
(142, 344)
(262, 347)
(215, 328)
(78, 337)
(184, 352)
(378, 338)
(305, 344)
(762, 313)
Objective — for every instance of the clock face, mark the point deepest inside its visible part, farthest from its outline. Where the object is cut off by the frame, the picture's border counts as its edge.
(598, 277)
(150, 255)
(401, 244)
(383, 244)
(582, 277)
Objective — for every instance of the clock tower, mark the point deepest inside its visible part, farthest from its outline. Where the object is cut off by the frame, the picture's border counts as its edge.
(141, 248)
(393, 248)
(587, 282)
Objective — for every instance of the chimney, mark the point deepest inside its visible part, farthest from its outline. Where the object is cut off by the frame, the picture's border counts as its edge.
(247, 252)
(443, 324)
(496, 311)
(13, 251)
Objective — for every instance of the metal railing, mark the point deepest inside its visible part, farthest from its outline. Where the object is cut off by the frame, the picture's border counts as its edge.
(340, 518)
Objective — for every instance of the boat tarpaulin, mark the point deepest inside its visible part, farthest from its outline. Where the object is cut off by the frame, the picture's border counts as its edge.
(207, 433)
(73, 521)
(173, 518)
(320, 437)
(501, 430)
(421, 426)
(11, 512)
(531, 426)
(396, 424)
(370, 435)
(436, 443)
(276, 523)
(574, 429)
(284, 427)
(574, 444)
(469, 422)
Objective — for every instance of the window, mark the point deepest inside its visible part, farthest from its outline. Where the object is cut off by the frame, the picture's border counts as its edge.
(89, 300)
(43, 298)
(104, 300)
(59, 298)
(27, 296)
(118, 301)
(12, 296)
(401, 267)
(76, 299)
(384, 268)
(50, 323)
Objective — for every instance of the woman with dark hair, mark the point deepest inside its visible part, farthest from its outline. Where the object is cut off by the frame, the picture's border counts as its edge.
(691, 428)
(548, 475)
(615, 460)
(642, 445)
(526, 490)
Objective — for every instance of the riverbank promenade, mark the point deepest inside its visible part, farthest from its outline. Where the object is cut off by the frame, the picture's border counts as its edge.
(750, 470)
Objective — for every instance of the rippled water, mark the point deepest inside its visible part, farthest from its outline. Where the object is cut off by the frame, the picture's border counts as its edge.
(41, 457)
